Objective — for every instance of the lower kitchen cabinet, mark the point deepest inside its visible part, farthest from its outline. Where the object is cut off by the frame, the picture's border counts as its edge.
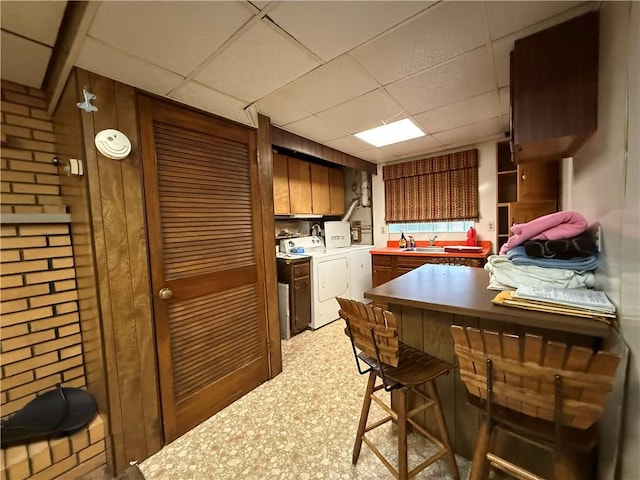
(388, 267)
(296, 274)
(381, 269)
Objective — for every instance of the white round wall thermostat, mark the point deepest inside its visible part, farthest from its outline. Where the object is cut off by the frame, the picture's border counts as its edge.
(113, 144)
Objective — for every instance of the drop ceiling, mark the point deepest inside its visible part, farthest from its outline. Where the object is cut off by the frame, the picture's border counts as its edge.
(320, 69)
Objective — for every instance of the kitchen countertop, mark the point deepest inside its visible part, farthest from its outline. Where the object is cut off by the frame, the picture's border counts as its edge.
(463, 291)
(393, 249)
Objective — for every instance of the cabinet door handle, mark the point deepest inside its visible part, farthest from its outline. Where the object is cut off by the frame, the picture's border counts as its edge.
(524, 177)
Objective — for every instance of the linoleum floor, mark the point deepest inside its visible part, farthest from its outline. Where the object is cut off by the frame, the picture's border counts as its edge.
(300, 425)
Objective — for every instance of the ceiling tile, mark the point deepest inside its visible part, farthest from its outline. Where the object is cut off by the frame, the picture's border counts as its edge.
(104, 60)
(506, 123)
(457, 114)
(463, 77)
(500, 50)
(367, 111)
(476, 132)
(507, 17)
(38, 21)
(330, 29)
(328, 85)
(279, 110)
(412, 147)
(439, 34)
(348, 144)
(199, 96)
(260, 4)
(375, 155)
(178, 36)
(13, 66)
(505, 100)
(314, 128)
(257, 63)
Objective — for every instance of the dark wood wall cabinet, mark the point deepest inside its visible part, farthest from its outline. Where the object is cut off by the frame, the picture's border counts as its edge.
(554, 90)
(388, 267)
(524, 191)
(296, 274)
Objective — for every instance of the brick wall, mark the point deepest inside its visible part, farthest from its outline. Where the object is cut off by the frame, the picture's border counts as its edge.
(40, 337)
(30, 182)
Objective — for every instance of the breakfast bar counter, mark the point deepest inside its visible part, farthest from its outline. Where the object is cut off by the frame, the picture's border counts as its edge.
(428, 300)
(460, 290)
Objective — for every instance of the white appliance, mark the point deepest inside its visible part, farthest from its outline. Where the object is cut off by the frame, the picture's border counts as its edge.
(340, 271)
(338, 236)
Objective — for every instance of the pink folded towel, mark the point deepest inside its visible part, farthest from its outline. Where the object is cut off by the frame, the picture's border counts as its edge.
(548, 227)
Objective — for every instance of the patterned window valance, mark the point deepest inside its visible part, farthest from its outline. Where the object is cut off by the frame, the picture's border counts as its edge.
(442, 188)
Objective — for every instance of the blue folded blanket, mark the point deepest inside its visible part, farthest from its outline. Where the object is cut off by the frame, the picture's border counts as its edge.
(518, 256)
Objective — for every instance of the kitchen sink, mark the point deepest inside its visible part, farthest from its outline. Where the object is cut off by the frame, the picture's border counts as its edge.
(425, 249)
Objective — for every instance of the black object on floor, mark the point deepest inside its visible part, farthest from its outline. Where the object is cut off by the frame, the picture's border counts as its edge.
(53, 414)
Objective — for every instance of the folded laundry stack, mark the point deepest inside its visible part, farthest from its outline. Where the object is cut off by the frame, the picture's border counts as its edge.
(555, 250)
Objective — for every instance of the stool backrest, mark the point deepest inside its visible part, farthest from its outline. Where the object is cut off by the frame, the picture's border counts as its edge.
(524, 371)
(372, 330)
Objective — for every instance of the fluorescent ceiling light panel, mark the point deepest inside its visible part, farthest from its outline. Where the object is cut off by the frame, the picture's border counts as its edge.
(391, 133)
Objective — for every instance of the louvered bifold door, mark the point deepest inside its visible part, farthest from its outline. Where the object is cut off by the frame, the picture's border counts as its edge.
(209, 294)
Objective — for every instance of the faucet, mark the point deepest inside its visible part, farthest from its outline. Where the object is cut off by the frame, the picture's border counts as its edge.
(432, 240)
(316, 230)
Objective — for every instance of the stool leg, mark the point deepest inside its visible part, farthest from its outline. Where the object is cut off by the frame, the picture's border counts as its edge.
(485, 442)
(401, 411)
(442, 426)
(364, 414)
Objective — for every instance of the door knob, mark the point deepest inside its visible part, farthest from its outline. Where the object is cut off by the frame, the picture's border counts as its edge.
(165, 293)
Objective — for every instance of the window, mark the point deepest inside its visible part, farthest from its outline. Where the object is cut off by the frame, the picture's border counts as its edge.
(436, 189)
(431, 227)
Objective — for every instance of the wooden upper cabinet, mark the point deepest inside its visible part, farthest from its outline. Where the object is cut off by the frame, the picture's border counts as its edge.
(336, 191)
(523, 212)
(299, 185)
(538, 181)
(320, 189)
(554, 90)
(302, 187)
(524, 191)
(281, 204)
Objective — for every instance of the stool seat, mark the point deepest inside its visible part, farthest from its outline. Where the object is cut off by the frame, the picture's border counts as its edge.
(415, 367)
(402, 369)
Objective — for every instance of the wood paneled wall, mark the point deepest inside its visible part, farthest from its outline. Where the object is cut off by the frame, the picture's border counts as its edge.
(109, 227)
(110, 236)
(296, 143)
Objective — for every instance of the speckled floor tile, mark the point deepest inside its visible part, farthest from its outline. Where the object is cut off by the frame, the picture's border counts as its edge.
(300, 425)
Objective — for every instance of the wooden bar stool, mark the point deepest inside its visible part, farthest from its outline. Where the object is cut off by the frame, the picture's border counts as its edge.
(544, 392)
(401, 369)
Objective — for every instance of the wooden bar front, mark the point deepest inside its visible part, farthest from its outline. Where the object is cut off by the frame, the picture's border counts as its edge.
(428, 300)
